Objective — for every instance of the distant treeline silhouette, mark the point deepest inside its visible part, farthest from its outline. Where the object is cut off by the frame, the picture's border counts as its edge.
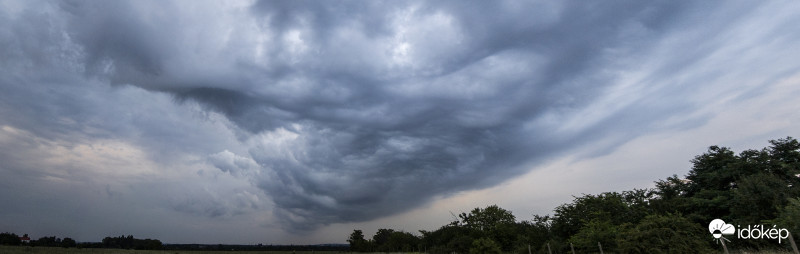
(47, 241)
(129, 242)
(258, 247)
(120, 242)
(750, 188)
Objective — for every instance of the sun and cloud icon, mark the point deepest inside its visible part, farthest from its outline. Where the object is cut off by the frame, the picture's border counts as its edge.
(718, 228)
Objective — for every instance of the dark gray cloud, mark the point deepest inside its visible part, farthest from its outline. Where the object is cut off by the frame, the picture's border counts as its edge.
(430, 139)
(350, 111)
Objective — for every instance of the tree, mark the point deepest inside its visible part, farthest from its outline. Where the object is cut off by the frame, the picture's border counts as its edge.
(389, 240)
(758, 197)
(382, 236)
(448, 238)
(147, 244)
(720, 179)
(670, 233)
(615, 208)
(129, 242)
(9, 239)
(487, 219)
(752, 187)
(492, 222)
(357, 241)
(789, 217)
(68, 242)
(712, 178)
(670, 195)
(460, 244)
(713, 170)
(49, 241)
(535, 232)
(400, 241)
(596, 230)
(484, 246)
(785, 159)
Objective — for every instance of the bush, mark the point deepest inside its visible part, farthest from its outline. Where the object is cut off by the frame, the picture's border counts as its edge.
(668, 233)
(68, 242)
(595, 231)
(9, 239)
(484, 245)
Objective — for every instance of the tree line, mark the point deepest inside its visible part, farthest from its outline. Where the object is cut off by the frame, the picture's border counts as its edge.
(129, 242)
(749, 188)
(47, 241)
(120, 242)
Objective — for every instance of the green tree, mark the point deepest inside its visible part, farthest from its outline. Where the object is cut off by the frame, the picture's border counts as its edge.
(49, 241)
(147, 244)
(758, 197)
(785, 159)
(400, 241)
(752, 187)
(594, 231)
(357, 241)
(9, 239)
(713, 170)
(670, 196)
(535, 232)
(381, 238)
(487, 219)
(789, 217)
(68, 242)
(784, 162)
(670, 233)
(494, 223)
(712, 178)
(460, 244)
(484, 246)
(449, 238)
(615, 208)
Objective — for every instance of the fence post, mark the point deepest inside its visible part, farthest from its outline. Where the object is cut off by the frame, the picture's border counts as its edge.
(600, 246)
(572, 248)
(794, 246)
(548, 248)
(724, 247)
(529, 249)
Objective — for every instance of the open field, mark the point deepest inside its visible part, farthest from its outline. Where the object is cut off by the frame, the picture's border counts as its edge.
(57, 250)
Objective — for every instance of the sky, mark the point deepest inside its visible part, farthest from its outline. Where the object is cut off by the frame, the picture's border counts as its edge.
(296, 122)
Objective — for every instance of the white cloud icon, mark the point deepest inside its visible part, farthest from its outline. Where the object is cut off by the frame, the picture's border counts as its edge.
(718, 228)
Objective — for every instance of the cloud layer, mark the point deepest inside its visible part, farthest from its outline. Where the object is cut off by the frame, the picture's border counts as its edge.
(350, 111)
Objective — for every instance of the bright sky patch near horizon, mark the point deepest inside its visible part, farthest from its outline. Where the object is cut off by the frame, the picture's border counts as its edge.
(295, 122)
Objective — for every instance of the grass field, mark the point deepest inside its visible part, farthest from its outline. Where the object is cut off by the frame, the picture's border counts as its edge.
(57, 250)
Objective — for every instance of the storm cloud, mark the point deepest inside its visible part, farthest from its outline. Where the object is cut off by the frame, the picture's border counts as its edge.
(345, 111)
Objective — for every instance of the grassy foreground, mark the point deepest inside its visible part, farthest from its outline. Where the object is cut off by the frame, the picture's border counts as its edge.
(58, 250)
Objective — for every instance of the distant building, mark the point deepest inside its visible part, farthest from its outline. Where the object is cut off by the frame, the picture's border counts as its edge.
(25, 239)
